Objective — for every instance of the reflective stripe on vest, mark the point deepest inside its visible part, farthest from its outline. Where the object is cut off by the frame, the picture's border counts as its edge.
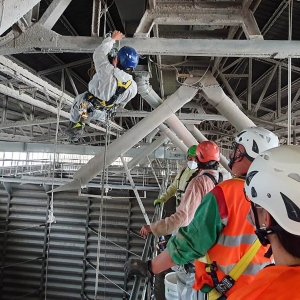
(227, 252)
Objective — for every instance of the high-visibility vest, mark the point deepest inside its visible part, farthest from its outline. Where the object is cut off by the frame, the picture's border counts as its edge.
(234, 240)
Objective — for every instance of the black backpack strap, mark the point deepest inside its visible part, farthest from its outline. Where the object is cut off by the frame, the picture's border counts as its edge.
(220, 177)
(213, 179)
(192, 176)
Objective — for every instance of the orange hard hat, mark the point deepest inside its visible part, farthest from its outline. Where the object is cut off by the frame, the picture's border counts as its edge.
(208, 151)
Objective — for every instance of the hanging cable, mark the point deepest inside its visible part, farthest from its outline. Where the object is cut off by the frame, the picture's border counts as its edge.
(289, 108)
(101, 207)
(51, 218)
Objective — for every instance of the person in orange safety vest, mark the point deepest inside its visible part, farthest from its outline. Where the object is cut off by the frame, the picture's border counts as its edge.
(273, 188)
(219, 228)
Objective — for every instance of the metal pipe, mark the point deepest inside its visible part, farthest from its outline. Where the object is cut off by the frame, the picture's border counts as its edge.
(200, 137)
(148, 150)
(96, 16)
(173, 137)
(135, 191)
(147, 92)
(151, 135)
(121, 145)
(215, 95)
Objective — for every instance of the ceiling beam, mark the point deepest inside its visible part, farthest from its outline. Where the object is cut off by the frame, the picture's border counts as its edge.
(211, 14)
(30, 123)
(53, 13)
(12, 10)
(41, 40)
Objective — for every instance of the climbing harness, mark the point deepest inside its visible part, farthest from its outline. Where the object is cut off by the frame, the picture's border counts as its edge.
(106, 105)
(221, 287)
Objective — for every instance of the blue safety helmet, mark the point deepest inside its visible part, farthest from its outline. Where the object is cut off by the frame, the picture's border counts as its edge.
(128, 57)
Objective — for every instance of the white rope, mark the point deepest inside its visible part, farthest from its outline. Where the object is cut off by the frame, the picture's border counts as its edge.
(51, 217)
(101, 209)
(289, 108)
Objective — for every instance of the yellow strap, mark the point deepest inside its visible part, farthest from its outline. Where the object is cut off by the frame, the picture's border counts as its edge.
(239, 268)
(79, 124)
(124, 84)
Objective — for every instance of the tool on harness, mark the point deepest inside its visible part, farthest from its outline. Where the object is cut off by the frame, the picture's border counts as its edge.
(223, 286)
(106, 105)
(84, 110)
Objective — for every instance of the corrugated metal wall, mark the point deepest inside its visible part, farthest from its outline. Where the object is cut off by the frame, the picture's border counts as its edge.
(72, 255)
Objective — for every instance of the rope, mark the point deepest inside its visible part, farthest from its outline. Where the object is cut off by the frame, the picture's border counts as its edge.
(101, 208)
(23, 228)
(94, 231)
(51, 218)
(108, 278)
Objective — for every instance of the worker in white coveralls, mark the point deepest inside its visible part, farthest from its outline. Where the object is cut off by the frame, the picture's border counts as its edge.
(111, 86)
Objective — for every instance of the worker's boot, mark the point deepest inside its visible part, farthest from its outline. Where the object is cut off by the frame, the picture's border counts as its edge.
(74, 131)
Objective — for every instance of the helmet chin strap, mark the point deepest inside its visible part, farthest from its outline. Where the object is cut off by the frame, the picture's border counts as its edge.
(262, 232)
(235, 157)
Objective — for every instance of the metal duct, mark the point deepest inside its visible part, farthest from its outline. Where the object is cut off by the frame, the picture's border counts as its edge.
(215, 95)
(148, 150)
(173, 137)
(147, 92)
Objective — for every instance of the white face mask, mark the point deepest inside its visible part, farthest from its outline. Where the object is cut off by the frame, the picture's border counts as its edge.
(192, 165)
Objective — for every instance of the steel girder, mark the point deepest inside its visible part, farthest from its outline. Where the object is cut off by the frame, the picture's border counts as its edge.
(12, 10)
(211, 14)
(38, 39)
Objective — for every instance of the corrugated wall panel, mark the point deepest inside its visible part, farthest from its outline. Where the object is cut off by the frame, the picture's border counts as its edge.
(24, 240)
(73, 235)
(66, 247)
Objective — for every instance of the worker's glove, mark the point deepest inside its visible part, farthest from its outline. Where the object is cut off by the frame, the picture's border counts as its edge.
(137, 267)
(159, 202)
(83, 111)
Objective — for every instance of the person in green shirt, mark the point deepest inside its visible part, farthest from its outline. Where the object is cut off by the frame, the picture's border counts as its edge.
(211, 217)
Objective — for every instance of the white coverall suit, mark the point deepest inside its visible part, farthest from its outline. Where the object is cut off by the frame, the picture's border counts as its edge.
(104, 84)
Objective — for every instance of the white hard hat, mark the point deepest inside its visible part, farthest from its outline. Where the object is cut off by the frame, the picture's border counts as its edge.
(273, 182)
(256, 140)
